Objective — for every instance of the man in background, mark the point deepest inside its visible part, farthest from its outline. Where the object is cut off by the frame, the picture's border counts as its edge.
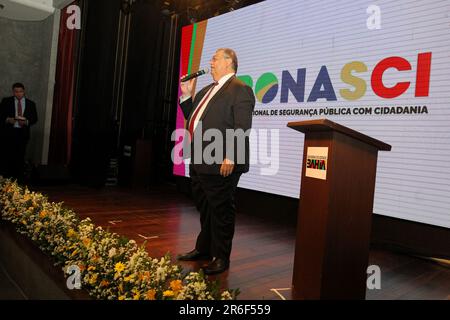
(17, 115)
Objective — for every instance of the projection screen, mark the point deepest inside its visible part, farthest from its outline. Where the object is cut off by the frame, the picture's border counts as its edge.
(382, 70)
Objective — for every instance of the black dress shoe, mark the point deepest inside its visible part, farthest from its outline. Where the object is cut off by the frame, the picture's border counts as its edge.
(193, 256)
(216, 266)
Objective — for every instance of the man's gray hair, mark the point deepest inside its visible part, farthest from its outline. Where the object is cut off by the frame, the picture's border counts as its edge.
(229, 53)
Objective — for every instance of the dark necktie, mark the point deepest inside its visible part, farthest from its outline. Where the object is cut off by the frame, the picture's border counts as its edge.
(19, 108)
(197, 110)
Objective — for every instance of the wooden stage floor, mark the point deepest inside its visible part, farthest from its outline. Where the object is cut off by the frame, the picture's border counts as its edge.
(263, 248)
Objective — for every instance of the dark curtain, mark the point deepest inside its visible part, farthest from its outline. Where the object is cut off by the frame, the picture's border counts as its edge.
(61, 125)
(94, 121)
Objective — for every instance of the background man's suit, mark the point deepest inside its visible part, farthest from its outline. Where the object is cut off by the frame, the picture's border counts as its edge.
(230, 108)
(14, 140)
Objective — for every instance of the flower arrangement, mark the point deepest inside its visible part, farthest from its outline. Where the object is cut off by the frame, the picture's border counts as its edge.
(111, 266)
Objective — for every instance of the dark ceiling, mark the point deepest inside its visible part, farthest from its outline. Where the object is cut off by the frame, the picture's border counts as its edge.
(196, 10)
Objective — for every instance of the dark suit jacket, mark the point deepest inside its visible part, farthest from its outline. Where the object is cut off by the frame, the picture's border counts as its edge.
(7, 110)
(230, 108)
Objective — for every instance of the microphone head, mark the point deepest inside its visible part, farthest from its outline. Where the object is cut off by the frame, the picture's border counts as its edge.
(195, 75)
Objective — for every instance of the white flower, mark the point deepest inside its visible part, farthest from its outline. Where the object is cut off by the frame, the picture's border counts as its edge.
(160, 274)
(112, 252)
(226, 295)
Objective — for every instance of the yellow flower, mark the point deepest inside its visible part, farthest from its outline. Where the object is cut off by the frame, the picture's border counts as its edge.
(122, 298)
(176, 285)
(93, 279)
(168, 293)
(136, 296)
(43, 214)
(90, 268)
(121, 288)
(144, 276)
(150, 295)
(104, 283)
(71, 233)
(119, 267)
(24, 222)
(129, 278)
(86, 242)
(74, 252)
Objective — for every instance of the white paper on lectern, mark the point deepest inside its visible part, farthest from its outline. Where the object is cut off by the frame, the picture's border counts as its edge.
(316, 162)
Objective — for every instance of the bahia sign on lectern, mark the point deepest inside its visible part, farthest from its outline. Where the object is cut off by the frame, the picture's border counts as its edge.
(335, 211)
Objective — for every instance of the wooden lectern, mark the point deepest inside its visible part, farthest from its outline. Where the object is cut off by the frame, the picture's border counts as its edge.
(335, 211)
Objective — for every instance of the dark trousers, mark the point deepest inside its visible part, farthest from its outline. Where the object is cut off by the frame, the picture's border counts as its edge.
(13, 154)
(214, 198)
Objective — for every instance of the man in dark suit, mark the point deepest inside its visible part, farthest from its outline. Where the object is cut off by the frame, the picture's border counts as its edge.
(223, 107)
(17, 115)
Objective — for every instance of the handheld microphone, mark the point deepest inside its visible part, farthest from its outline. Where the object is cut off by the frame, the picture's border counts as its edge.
(194, 75)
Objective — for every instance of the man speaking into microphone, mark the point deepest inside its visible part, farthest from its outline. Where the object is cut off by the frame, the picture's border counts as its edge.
(225, 105)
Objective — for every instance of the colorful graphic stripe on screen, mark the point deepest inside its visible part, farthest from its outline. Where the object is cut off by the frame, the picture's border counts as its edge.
(192, 40)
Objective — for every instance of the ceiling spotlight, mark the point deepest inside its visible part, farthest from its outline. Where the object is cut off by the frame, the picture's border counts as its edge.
(234, 4)
(192, 14)
(166, 8)
(126, 6)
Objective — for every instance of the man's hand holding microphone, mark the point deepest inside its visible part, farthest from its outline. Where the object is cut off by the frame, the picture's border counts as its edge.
(186, 88)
